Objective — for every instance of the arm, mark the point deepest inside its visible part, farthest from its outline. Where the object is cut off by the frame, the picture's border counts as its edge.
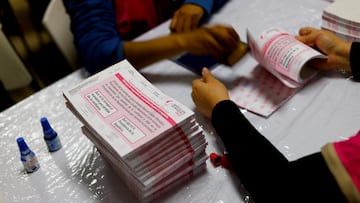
(255, 160)
(217, 40)
(258, 164)
(95, 35)
(99, 46)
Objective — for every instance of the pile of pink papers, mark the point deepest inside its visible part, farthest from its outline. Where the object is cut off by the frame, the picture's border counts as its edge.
(152, 141)
(342, 18)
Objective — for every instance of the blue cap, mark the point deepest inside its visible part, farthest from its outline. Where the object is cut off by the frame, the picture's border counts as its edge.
(24, 149)
(47, 129)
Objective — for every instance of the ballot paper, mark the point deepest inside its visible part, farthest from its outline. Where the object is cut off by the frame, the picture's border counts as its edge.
(284, 69)
(149, 138)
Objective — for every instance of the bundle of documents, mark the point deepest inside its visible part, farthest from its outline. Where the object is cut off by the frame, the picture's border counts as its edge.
(151, 140)
(283, 69)
(342, 18)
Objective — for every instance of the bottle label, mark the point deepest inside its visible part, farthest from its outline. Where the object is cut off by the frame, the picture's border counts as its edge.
(54, 144)
(30, 163)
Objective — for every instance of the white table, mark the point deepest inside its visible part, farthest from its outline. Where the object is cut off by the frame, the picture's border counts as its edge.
(325, 110)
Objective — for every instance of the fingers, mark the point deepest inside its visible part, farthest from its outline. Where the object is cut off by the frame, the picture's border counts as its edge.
(203, 79)
(306, 30)
(225, 41)
(174, 23)
(218, 41)
(320, 64)
(206, 75)
(184, 24)
(225, 36)
(186, 18)
(309, 35)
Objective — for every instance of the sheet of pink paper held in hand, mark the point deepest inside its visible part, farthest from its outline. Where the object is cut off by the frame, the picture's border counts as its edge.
(282, 71)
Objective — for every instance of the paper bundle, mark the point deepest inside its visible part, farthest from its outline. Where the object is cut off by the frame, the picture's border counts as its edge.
(342, 18)
(151, 140)
(283, 69)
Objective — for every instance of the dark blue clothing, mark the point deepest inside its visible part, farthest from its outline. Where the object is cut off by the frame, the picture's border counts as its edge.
(96, 38)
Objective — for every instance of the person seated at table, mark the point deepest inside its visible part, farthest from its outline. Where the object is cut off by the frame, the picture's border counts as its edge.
(330, 175)
(104, 29)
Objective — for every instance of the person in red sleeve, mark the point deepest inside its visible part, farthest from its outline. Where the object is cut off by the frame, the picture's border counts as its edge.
(330, 175)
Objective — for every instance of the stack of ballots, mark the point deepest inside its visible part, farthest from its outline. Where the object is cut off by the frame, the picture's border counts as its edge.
(343, 18)
(151, 140)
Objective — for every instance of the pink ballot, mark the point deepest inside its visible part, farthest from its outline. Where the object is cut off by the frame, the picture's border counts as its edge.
(283, 69)
(283, 56)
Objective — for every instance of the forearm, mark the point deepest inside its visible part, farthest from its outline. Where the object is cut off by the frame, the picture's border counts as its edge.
(342, 56)
(143, 53)
(311, 175)
(256, 161)
(260, 165)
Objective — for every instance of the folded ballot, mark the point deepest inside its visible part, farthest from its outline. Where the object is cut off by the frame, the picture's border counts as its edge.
(284, 69)
(151, 140)
(283, 56)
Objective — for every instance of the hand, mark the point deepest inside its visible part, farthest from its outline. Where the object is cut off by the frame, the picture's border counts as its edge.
(186, 18)
(218, 41)
(337, 50)
(207, 92)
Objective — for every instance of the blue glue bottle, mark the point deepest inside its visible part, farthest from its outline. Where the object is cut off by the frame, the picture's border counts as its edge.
(50, 136)
(28, 157)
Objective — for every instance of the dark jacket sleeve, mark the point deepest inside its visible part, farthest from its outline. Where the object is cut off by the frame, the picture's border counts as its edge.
(355, 60)
(264, 171)
(95, 35)
(255, 160)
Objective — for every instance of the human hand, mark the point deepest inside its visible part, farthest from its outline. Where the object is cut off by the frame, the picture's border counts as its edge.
(337, 50)
(186, 18)
(207, 92)
(218, 40)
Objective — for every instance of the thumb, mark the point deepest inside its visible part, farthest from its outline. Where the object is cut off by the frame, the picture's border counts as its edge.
(305, 31)
(206, 75)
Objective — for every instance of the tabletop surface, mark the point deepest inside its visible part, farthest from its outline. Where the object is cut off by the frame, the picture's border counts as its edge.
(321, 112)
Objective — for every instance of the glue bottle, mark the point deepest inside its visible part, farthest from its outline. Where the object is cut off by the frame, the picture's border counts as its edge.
(28, 157)
(50, 136)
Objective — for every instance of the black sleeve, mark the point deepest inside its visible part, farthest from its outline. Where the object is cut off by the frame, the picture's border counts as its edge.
(355, 60)
(263, 170)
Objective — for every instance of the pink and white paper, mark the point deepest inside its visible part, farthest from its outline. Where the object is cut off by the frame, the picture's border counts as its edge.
(262, 93)
(282, 72)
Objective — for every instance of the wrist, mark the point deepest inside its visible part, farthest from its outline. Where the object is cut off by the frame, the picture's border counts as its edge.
(181, 41)
(343, 56)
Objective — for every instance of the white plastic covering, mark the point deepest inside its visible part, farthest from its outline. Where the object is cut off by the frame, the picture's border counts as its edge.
(325, 110)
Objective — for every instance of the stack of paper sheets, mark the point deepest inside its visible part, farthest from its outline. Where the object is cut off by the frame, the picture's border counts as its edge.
(343, 18)
(152, 141)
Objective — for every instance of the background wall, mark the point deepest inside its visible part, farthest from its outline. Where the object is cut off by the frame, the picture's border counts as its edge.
(21, 22)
